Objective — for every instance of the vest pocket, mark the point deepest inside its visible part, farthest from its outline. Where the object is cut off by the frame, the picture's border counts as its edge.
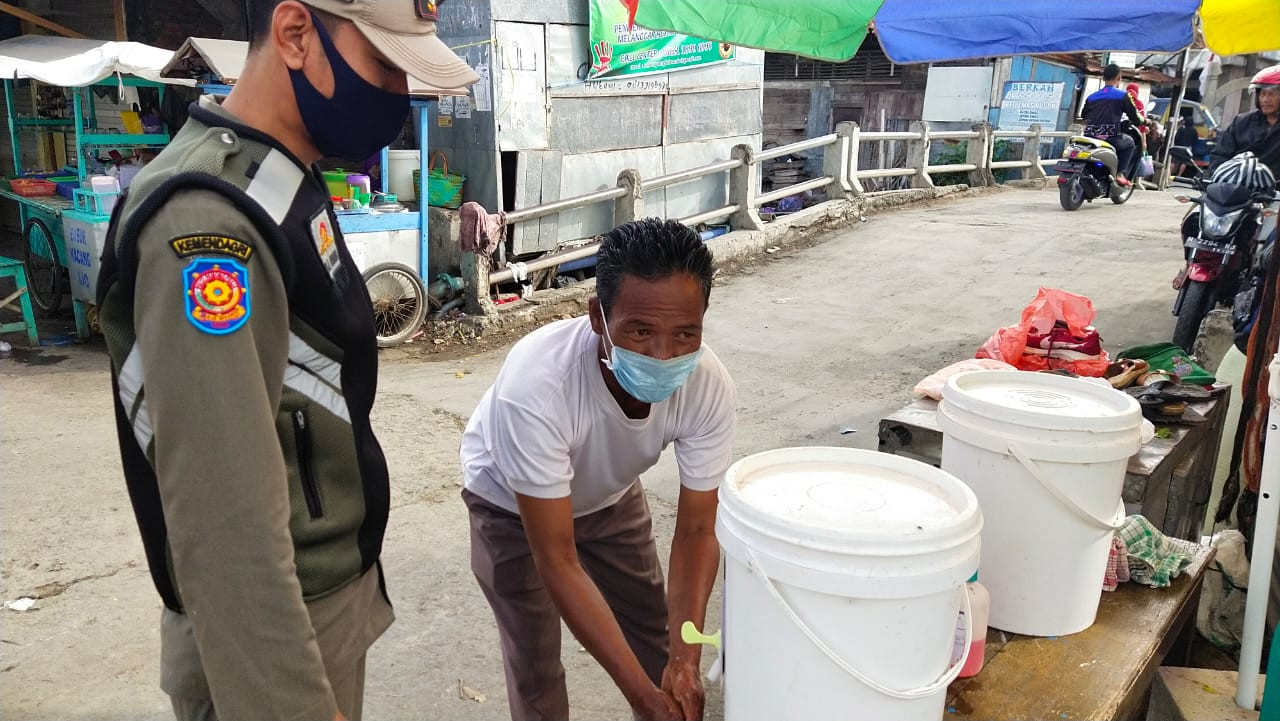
(302, 442)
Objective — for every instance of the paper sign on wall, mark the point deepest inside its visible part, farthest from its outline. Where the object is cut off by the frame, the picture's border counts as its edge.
(483, 98)
(462, 107)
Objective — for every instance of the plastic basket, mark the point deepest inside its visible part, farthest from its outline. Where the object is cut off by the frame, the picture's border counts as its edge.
(100, 204)
(444, 189)
(33, 187)
(67, 184)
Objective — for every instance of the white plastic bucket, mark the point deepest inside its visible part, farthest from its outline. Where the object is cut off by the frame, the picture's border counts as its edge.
(844, 581)
(401, 164)
(1046, 456)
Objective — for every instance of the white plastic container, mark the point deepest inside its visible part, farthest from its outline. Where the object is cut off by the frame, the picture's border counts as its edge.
(845, 572)
(980, 612)
(400, 167)
(1046, 456)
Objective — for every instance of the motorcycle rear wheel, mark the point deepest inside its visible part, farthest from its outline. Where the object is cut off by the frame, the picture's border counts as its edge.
(1124, 193)
(1071, 194)
(1196, 304)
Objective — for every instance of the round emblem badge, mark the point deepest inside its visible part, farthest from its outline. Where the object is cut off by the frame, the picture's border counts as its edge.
(217, 295)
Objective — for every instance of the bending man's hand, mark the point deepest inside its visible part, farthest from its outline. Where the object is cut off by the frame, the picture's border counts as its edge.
(684, 682)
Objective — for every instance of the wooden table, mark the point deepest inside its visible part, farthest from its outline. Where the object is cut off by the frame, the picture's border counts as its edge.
(1103, 672)
(1168, 480)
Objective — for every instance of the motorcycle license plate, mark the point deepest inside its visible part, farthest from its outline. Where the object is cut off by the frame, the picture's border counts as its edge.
(1066, 166)
(1210, 246)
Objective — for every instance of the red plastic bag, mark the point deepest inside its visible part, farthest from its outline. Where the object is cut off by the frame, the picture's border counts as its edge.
(1051, 307)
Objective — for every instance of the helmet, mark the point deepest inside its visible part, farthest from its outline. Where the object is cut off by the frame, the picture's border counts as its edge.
(1265, 78)
(1244, 169)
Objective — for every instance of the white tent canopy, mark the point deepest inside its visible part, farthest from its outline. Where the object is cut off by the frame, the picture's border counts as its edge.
(225, 59)
(75, 63)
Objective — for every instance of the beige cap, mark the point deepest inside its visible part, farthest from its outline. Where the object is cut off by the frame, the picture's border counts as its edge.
(405, 31)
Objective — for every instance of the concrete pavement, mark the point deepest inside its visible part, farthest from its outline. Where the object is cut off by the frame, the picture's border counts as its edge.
(819, 339)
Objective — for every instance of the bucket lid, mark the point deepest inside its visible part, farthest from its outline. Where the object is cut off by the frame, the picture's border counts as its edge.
(851, 501)
(1042, 400)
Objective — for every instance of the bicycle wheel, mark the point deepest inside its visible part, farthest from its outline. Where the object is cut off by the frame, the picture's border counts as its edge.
(399, 302)
(44, 274)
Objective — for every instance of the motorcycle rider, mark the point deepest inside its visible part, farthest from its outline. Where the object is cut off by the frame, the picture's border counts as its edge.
(1258, 130)
(1132, 90)
(1103, 112)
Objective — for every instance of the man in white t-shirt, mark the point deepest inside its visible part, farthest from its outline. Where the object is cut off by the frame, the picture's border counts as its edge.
(552, 459)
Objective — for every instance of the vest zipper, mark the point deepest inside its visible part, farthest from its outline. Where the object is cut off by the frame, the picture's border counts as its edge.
(302, 440)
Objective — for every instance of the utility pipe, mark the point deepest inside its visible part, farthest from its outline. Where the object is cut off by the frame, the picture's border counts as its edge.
(1264, 548)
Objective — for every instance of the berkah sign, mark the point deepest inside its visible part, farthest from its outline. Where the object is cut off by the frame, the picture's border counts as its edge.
(1026, 104)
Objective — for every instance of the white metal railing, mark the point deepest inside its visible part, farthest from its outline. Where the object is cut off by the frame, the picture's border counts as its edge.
(841, 176)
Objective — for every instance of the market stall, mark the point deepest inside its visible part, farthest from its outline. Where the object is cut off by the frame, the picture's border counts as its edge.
(386, 233)
(64, 209)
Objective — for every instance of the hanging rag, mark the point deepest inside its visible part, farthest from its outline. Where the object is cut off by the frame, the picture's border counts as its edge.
(1246, 452)
(1117, 564)
(1154, 558)
(481, 231)
(1220, 617)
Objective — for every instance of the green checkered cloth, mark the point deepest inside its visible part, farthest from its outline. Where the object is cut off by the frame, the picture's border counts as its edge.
(1154, 558)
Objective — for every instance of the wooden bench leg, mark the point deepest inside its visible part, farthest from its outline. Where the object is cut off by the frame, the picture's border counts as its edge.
(28, 315)
(82, 318)
(23, 296)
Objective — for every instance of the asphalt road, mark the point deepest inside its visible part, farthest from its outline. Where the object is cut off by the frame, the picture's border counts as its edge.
(819, 339)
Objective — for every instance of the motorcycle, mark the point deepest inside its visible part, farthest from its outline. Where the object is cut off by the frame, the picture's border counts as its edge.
(1088, 170)
(1181, 155)
(1222, 234)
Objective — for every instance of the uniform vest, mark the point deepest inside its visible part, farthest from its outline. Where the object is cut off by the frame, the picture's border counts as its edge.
(337, 474)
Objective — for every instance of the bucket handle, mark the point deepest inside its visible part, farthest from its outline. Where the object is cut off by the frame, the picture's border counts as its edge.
(952, 672)
(1034, 469)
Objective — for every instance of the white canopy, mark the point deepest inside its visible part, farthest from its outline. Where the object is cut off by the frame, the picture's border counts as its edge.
(225, 59)
(75, 63)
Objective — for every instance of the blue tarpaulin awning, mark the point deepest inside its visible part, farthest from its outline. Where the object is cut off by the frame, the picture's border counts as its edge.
(917, 31)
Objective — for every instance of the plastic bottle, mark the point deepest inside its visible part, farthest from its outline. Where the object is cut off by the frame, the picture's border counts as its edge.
(980, 604)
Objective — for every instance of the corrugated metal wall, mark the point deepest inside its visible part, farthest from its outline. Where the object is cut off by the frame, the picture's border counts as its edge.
(562, 136)
(95, 18)
(167, 23)
(805, 98)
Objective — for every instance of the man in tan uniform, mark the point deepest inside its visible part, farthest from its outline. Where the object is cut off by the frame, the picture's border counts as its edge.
(244, 366)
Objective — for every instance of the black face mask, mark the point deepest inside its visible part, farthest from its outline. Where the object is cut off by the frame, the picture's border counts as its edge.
(358, 120)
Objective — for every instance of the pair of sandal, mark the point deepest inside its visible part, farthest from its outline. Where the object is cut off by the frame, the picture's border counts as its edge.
(1125, 371)
(1163, 397)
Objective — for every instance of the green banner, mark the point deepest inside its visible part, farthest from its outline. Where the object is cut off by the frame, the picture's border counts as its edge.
(618, 50)
(825, 29)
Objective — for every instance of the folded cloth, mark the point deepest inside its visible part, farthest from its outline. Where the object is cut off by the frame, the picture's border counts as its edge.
(480, 231)
(1117, 564)
(931, 387)
(1154, 558)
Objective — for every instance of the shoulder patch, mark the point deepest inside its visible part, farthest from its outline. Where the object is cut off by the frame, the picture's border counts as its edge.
(325, 242)
(204, 244)
(217, 295)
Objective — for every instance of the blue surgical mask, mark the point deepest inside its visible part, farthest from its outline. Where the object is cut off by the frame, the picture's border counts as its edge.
(646, 378)
(359, 120)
